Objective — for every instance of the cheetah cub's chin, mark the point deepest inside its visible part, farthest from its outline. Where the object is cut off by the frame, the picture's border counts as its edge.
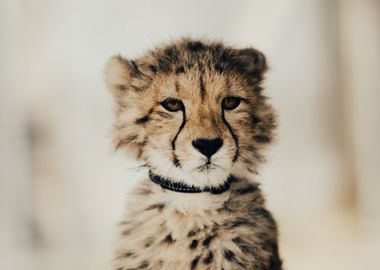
(194, 113)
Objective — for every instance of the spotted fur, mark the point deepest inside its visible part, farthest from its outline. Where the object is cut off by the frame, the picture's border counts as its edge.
(171, 230)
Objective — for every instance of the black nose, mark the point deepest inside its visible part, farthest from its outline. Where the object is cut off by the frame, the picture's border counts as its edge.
(208, 147)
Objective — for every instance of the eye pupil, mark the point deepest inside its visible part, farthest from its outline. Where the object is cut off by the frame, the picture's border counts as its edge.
(230, 103)
(172, 104)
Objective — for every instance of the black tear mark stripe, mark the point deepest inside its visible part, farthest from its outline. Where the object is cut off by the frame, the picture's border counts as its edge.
(233, 136)
(202, 88)
(175, 159)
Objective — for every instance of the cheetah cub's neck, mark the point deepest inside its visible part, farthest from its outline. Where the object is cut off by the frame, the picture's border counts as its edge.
(151, 194)
(179, 186)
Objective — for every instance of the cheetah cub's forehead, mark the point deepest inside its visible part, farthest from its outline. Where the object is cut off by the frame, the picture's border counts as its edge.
(192, 111)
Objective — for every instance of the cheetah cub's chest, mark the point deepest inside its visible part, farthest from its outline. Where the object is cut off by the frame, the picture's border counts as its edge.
(170, 230)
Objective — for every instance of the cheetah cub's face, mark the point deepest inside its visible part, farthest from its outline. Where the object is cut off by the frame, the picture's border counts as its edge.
(192, 111)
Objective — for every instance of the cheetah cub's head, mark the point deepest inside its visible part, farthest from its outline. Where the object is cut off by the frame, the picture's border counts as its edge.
(192, 111)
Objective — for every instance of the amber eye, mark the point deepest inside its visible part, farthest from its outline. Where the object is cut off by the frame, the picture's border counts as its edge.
(172, 104)
(230, 103)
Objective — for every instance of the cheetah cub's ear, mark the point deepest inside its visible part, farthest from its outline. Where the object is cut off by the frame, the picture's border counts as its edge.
(118, 76)
(253, 65)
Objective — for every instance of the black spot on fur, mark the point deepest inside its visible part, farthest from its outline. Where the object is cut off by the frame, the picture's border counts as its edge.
(195, 46)
(191, 233)
(177, 87)
(126, 232)
(171, 54)
(240, 222)
(149, 242)
(142, 120)
(228, 254)
(144, 265)
(209, 258)
(262, 139)
(158, 206)
(168, 239)
(255, 119)
(194, 262)
(129, 254)
(193, 244)
(243, 246)
(189, 65)
(143, 191)
(275, 262)
(126, 140)
(219, 68)
(164, 66)
(208, 240)
(245, 190)
(121, 87)
(135, 71)
(176, 162)
(180, 70)
(153, 68)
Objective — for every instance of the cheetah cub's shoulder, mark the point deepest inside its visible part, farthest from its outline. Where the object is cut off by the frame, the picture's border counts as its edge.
(193, 112)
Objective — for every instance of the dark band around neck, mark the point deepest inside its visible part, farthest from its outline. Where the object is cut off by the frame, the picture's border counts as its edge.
(184, 188)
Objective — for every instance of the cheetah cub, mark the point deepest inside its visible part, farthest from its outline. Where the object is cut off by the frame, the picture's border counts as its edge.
(193, 112)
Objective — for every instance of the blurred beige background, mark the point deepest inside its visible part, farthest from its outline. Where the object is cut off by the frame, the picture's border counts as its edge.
(62, 189)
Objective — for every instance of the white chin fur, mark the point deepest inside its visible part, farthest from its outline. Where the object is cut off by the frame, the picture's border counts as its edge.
(188, 172)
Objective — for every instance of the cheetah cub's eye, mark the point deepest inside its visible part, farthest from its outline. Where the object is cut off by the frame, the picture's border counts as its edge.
(230, 103)
(172, 104)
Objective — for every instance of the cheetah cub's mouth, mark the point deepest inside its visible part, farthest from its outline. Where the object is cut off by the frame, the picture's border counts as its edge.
(193, 112)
